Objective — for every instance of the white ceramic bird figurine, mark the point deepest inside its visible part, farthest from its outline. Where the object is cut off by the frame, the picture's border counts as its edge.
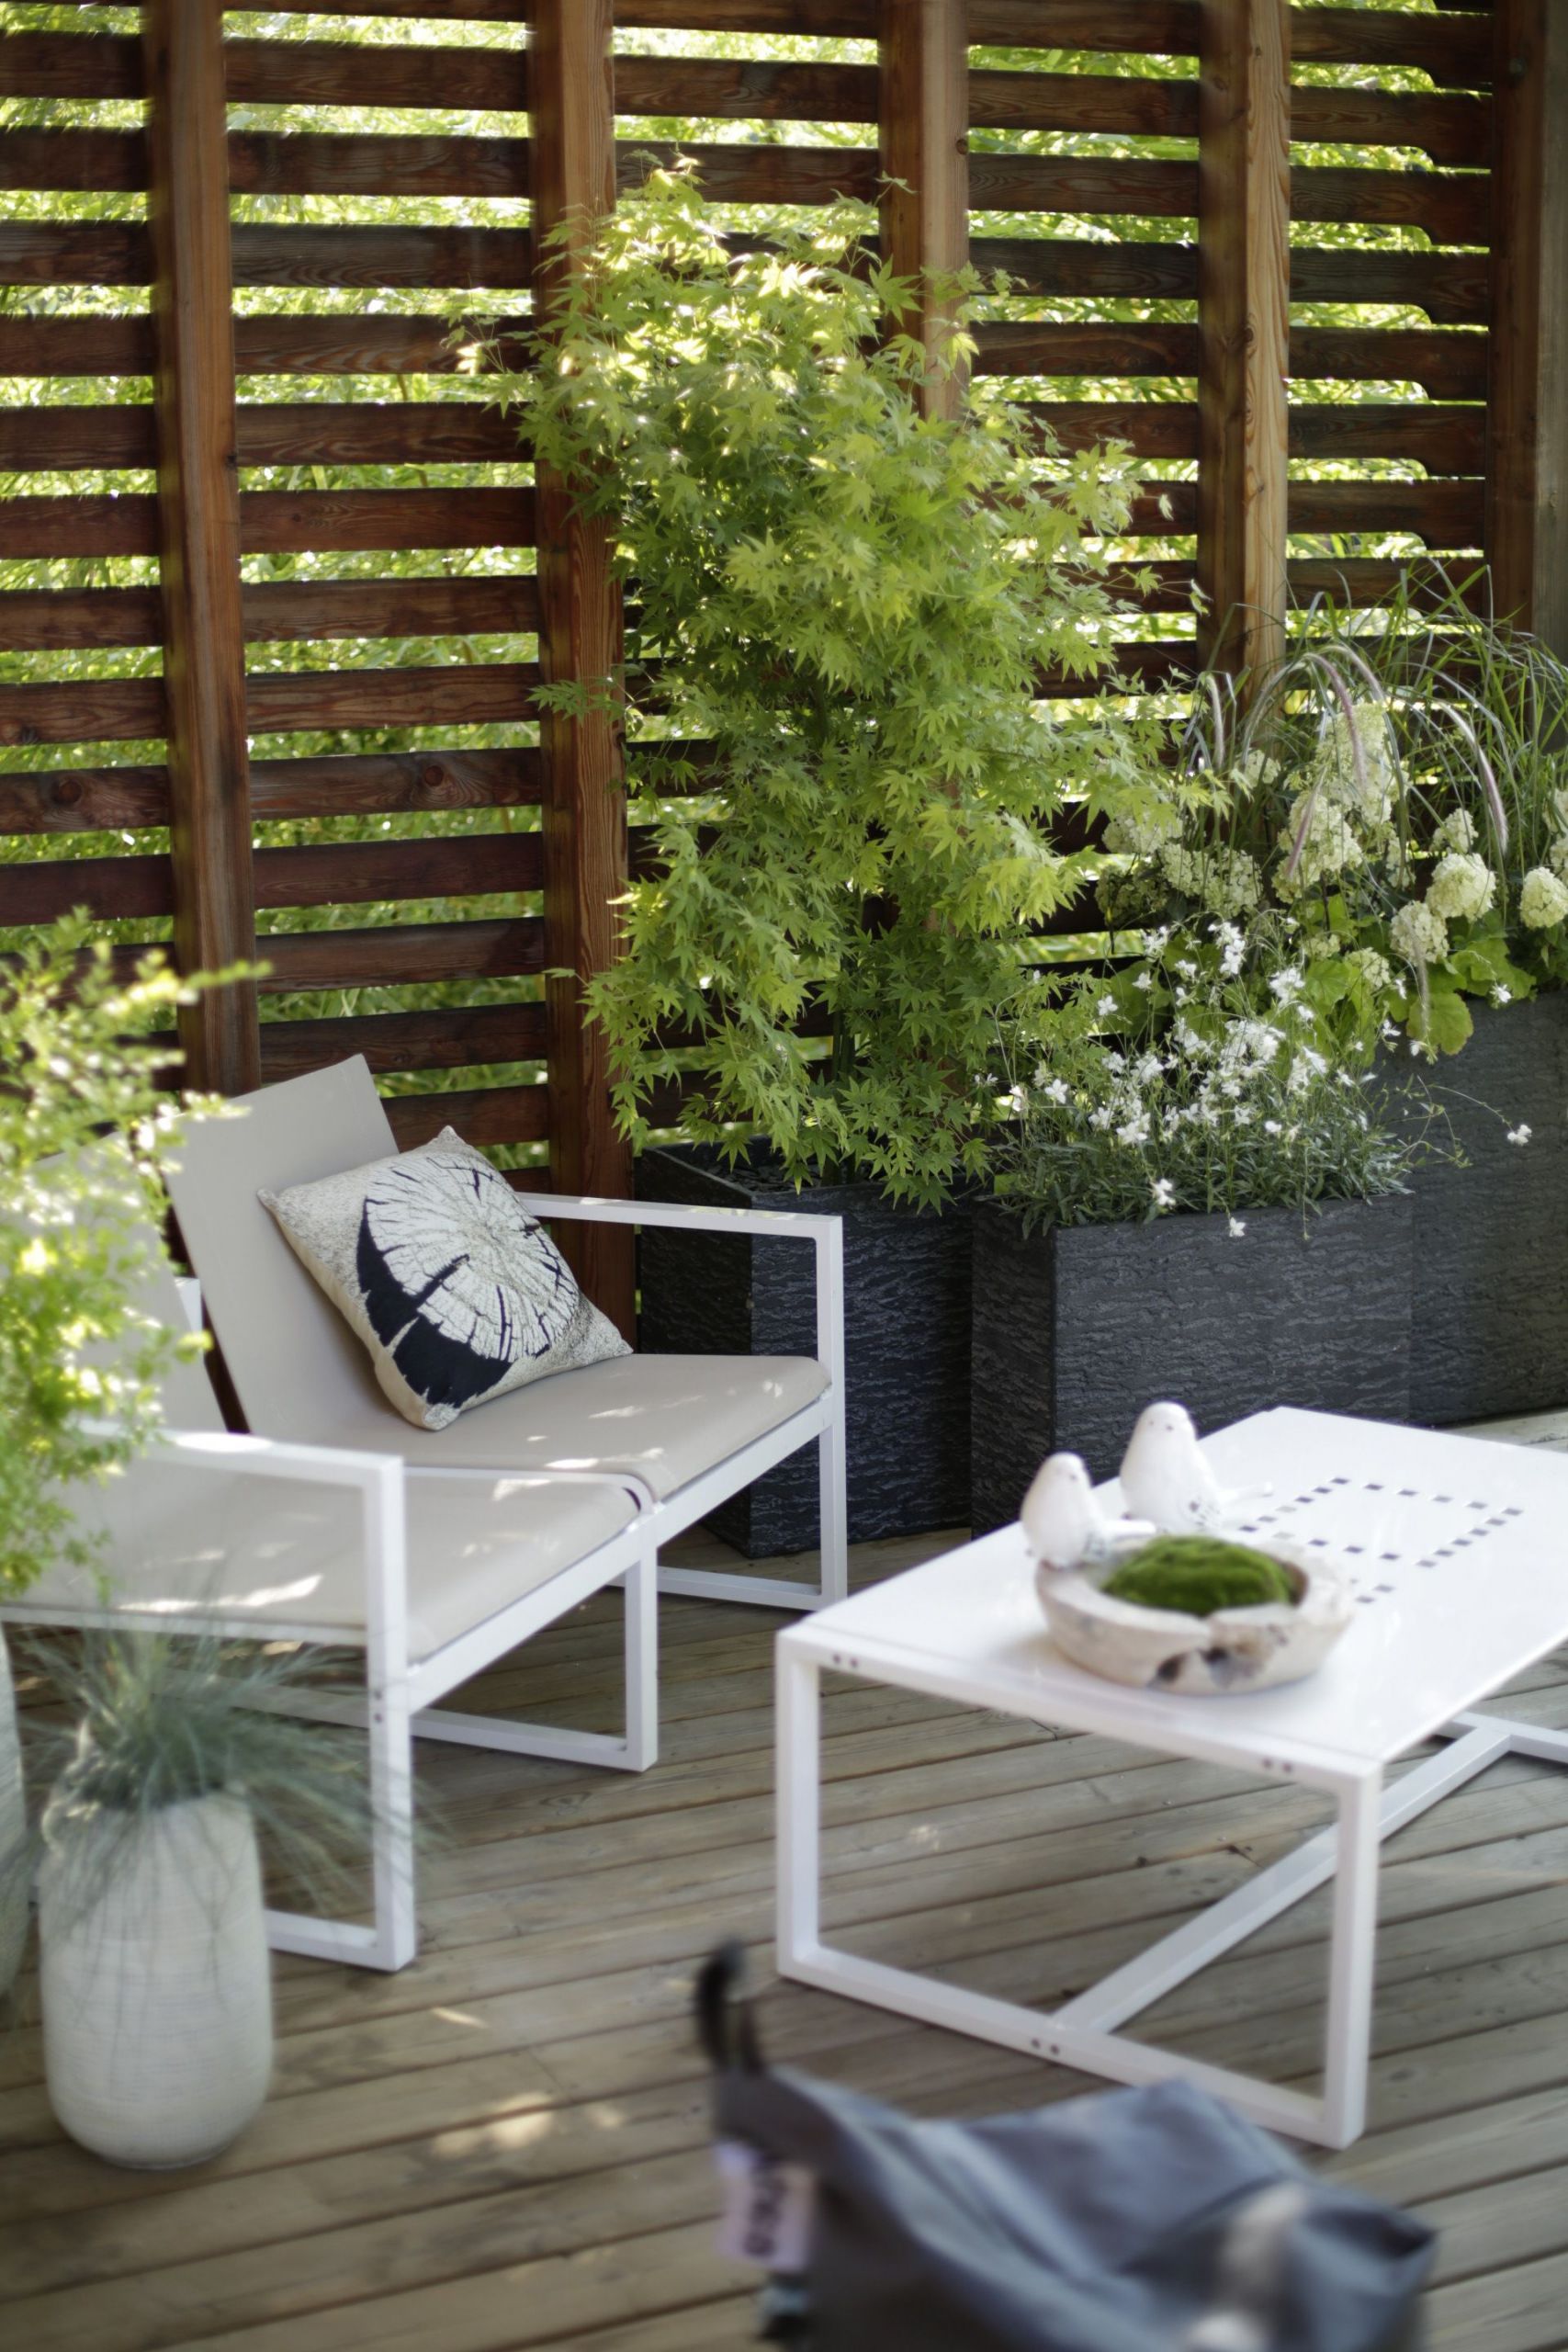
(1165, 1477)
(1062, 1522)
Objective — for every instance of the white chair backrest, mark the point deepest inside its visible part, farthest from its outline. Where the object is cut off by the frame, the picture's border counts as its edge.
(297, 1367)
(189, 1402)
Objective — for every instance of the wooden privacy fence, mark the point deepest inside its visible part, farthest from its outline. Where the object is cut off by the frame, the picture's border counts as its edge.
(286, 603)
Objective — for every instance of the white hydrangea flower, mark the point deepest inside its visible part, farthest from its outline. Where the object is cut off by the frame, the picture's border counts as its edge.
(1543, 899)
(1363, 786)
(1328, 845)
(1375, 969)
(1458, 830)
(1224, 882)
(1462, 888)
(1557, 857)
(1142, 833)
(1419, 933)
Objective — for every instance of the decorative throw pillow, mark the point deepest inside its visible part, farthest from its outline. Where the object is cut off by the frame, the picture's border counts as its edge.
(456, 1291)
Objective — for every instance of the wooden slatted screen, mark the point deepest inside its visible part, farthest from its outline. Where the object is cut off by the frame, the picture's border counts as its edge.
(403, 887)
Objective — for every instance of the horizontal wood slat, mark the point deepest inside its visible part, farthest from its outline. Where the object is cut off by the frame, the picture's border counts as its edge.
(339, 345)
(82, 710)
(1445, 513)
(44, 620)
(67, 439)
(402, 955)
(480, 1114)
(279, 521)
(106, 710)
(1452, 289)
(455, 1039)
(325, 874)
(387, 783)
(455, 694)
(82, 801)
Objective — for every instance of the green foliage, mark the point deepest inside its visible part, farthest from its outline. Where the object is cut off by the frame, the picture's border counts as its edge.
(1198, 1079)
(1198, 1574)
(842, 612)
(1397, 790)
(151, 1721)
(85, 1120)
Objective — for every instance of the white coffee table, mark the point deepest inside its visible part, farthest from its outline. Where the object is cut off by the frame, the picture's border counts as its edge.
(1459, 1549)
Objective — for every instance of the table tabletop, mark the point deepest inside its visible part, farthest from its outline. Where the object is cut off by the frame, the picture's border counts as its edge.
(1456, 1549)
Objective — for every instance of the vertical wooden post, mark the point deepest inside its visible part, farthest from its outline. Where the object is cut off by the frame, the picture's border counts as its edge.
(1243, 326)
(571, 101)
(199, 508)
(1526, 456)
(924, 138)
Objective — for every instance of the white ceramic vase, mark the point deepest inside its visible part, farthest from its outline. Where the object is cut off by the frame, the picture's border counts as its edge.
(157, 1995)
(13, 1834)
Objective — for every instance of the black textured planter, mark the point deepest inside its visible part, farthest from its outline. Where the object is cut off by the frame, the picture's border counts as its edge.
(905, 1338)
(1078, 1327)
(1490, 1248)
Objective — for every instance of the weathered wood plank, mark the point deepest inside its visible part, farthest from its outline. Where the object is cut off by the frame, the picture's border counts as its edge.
(370, 783)
(405, 1041)
(456, 694)
(198, 536)
(1244, 266)
(480, 1114)
(577, 89)
(923, 145)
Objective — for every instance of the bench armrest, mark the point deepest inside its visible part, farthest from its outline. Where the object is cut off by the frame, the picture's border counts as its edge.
(826, 1234)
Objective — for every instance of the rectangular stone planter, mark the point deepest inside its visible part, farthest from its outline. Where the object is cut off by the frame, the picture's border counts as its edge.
(906, 1332)
(1078, 1327)
(1490, 1240)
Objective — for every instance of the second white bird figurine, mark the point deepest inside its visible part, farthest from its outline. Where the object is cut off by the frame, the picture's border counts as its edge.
(1063, 1524)
(1166, 1478)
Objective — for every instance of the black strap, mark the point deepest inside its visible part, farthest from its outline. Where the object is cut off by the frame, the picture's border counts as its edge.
(726, 2026)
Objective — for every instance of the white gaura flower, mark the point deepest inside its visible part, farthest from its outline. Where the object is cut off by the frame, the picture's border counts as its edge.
(1106, 1005)
(1543, 899)
(1144, 981)
(1419, 933)
(1236, 1226)
(1055, 1090)
(1521, 1133)
(1147, 1069)
(1232, 945)
(1286, 984)
(1134, 1131)
(1500, 995)
(1462, 888)
(1162, 1192)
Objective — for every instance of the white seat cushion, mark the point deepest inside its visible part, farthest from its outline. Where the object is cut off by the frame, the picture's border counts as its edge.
(290, 1555)
(666, 1418)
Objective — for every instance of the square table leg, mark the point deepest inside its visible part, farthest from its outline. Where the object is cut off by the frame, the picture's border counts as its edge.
(799, 1802)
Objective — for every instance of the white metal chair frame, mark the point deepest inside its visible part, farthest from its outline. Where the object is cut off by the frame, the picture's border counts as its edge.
(401, 1695)
(822, 1419)
(399, 1702)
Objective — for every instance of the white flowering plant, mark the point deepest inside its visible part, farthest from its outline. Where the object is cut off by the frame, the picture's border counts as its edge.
(1202, 1081)
(1397, 787)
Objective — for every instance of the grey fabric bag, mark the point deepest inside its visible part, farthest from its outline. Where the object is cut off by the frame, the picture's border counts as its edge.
(1127, 2221)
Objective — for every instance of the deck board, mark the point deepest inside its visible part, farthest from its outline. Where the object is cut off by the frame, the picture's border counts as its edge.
(506, 2146)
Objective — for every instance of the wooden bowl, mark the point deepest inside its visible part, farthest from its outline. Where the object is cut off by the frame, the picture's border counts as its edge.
(1164, 1649)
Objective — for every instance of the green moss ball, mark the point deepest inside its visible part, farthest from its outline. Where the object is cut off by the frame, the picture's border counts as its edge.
(1197, 1575)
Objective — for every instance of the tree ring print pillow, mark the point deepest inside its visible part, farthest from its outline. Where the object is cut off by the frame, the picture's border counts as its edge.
(455, 1291)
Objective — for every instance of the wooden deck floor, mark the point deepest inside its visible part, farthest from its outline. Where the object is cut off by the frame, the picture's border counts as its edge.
(507, 2146)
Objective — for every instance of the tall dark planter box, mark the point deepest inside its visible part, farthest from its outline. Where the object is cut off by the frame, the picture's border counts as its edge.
(906, 1332)
(1490, 1256)
(1078, 1327)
